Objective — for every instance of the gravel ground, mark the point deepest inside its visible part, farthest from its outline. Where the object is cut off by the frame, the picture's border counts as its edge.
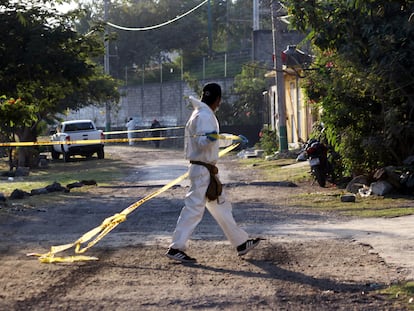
(304, 263)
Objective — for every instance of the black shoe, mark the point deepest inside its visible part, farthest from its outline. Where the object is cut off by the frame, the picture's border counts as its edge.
(179, 256)
(247, 246)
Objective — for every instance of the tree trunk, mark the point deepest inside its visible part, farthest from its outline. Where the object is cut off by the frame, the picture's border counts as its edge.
(27, 156)
(11, 158)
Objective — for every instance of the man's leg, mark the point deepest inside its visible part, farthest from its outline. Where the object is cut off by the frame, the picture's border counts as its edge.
(223, 214)
(193, 211)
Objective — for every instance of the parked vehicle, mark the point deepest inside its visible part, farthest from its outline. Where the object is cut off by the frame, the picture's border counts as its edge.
(317, 155)
(77, 130)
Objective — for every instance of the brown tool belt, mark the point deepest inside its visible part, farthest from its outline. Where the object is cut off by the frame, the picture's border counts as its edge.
(211, 168)
(215, 187)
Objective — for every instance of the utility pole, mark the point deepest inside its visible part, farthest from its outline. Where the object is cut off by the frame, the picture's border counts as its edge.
(210, 26)
(279, 79)
(106, 67)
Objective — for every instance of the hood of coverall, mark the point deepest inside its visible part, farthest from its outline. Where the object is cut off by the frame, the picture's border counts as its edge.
(196, 103)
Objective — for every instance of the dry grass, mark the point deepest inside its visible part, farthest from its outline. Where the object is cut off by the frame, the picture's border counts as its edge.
(330, 199)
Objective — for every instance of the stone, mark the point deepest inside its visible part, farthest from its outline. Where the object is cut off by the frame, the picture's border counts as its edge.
(18, 194)
(348, 198)
(55, 187)
(381, 187)
(356, 183)
(74, 185)
(39, 191)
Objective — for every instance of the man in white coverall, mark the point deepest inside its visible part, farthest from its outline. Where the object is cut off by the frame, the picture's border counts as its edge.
(130, 127)
(201, 145)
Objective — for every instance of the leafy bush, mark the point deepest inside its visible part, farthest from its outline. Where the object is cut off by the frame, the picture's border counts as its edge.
(269, 141)
(360, 81)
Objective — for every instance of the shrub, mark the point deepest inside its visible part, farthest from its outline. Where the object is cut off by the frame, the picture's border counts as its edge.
(269, 141)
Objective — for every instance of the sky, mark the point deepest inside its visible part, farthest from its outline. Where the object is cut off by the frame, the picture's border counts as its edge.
(66, 7)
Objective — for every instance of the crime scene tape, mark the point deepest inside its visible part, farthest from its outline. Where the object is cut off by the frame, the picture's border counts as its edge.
(96, 234)
(144, 130)
(109, 140)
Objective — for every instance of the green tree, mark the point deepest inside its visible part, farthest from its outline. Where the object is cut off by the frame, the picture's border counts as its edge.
(14, 113)
(364, 82)
(249, 86)
(230, 30)
(47, 64)
(148, 47)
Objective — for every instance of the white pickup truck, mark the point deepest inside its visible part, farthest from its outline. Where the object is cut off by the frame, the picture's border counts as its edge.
(79, 132)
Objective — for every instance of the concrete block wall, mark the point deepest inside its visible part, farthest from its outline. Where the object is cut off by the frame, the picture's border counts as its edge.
(165, 102)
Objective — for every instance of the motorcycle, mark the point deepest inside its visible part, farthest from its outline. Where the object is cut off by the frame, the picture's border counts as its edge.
(317, 155)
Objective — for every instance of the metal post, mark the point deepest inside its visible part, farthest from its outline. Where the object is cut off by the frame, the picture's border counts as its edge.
(204, 68)
(298, 109)
(256, 22)
(142, 89)
(210, 32)
(279, 81)
(161, 110)
(106, 68)
(126, 77)
(180, 120)
(225, 65)
(182, 66)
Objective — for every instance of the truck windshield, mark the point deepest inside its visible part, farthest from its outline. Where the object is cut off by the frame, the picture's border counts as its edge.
(83, 126)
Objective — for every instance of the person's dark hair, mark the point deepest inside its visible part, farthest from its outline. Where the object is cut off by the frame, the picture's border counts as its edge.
(211, 91)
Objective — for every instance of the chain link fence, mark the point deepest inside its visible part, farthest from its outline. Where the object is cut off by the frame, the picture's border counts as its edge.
(218, 66)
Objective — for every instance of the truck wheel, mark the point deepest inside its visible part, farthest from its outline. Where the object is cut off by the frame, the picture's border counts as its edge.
(66, 157)
(55, 155)
(101, 153)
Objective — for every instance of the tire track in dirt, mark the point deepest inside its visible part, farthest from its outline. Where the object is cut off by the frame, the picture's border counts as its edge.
(59, 283)
(133, 273)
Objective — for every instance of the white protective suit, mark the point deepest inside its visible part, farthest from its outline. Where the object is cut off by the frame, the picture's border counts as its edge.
(199, 148)
(130, 127)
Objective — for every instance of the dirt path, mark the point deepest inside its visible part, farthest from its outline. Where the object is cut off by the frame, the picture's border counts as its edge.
(305, 263)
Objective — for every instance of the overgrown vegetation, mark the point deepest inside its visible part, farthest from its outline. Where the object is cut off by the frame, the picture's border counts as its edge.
(249, 86)
(269, 141)
(198, 41)
(45, 67)
(329, 200)
(362, 78)
(402, 292)
(275, 170)
(373, 206)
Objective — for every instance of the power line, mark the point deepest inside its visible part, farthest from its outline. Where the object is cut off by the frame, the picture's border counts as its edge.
(159, 25)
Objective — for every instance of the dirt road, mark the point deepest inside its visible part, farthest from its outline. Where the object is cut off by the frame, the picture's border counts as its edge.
(305, 263)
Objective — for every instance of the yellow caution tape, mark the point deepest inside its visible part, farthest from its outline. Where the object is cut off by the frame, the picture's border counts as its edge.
(144, 130)
(83, 142)
(69, 259)
(96, 234)
(107, 140)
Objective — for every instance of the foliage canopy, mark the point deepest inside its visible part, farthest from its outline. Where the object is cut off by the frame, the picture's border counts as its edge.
(249, 86)
(364, 80)
(47, 66)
